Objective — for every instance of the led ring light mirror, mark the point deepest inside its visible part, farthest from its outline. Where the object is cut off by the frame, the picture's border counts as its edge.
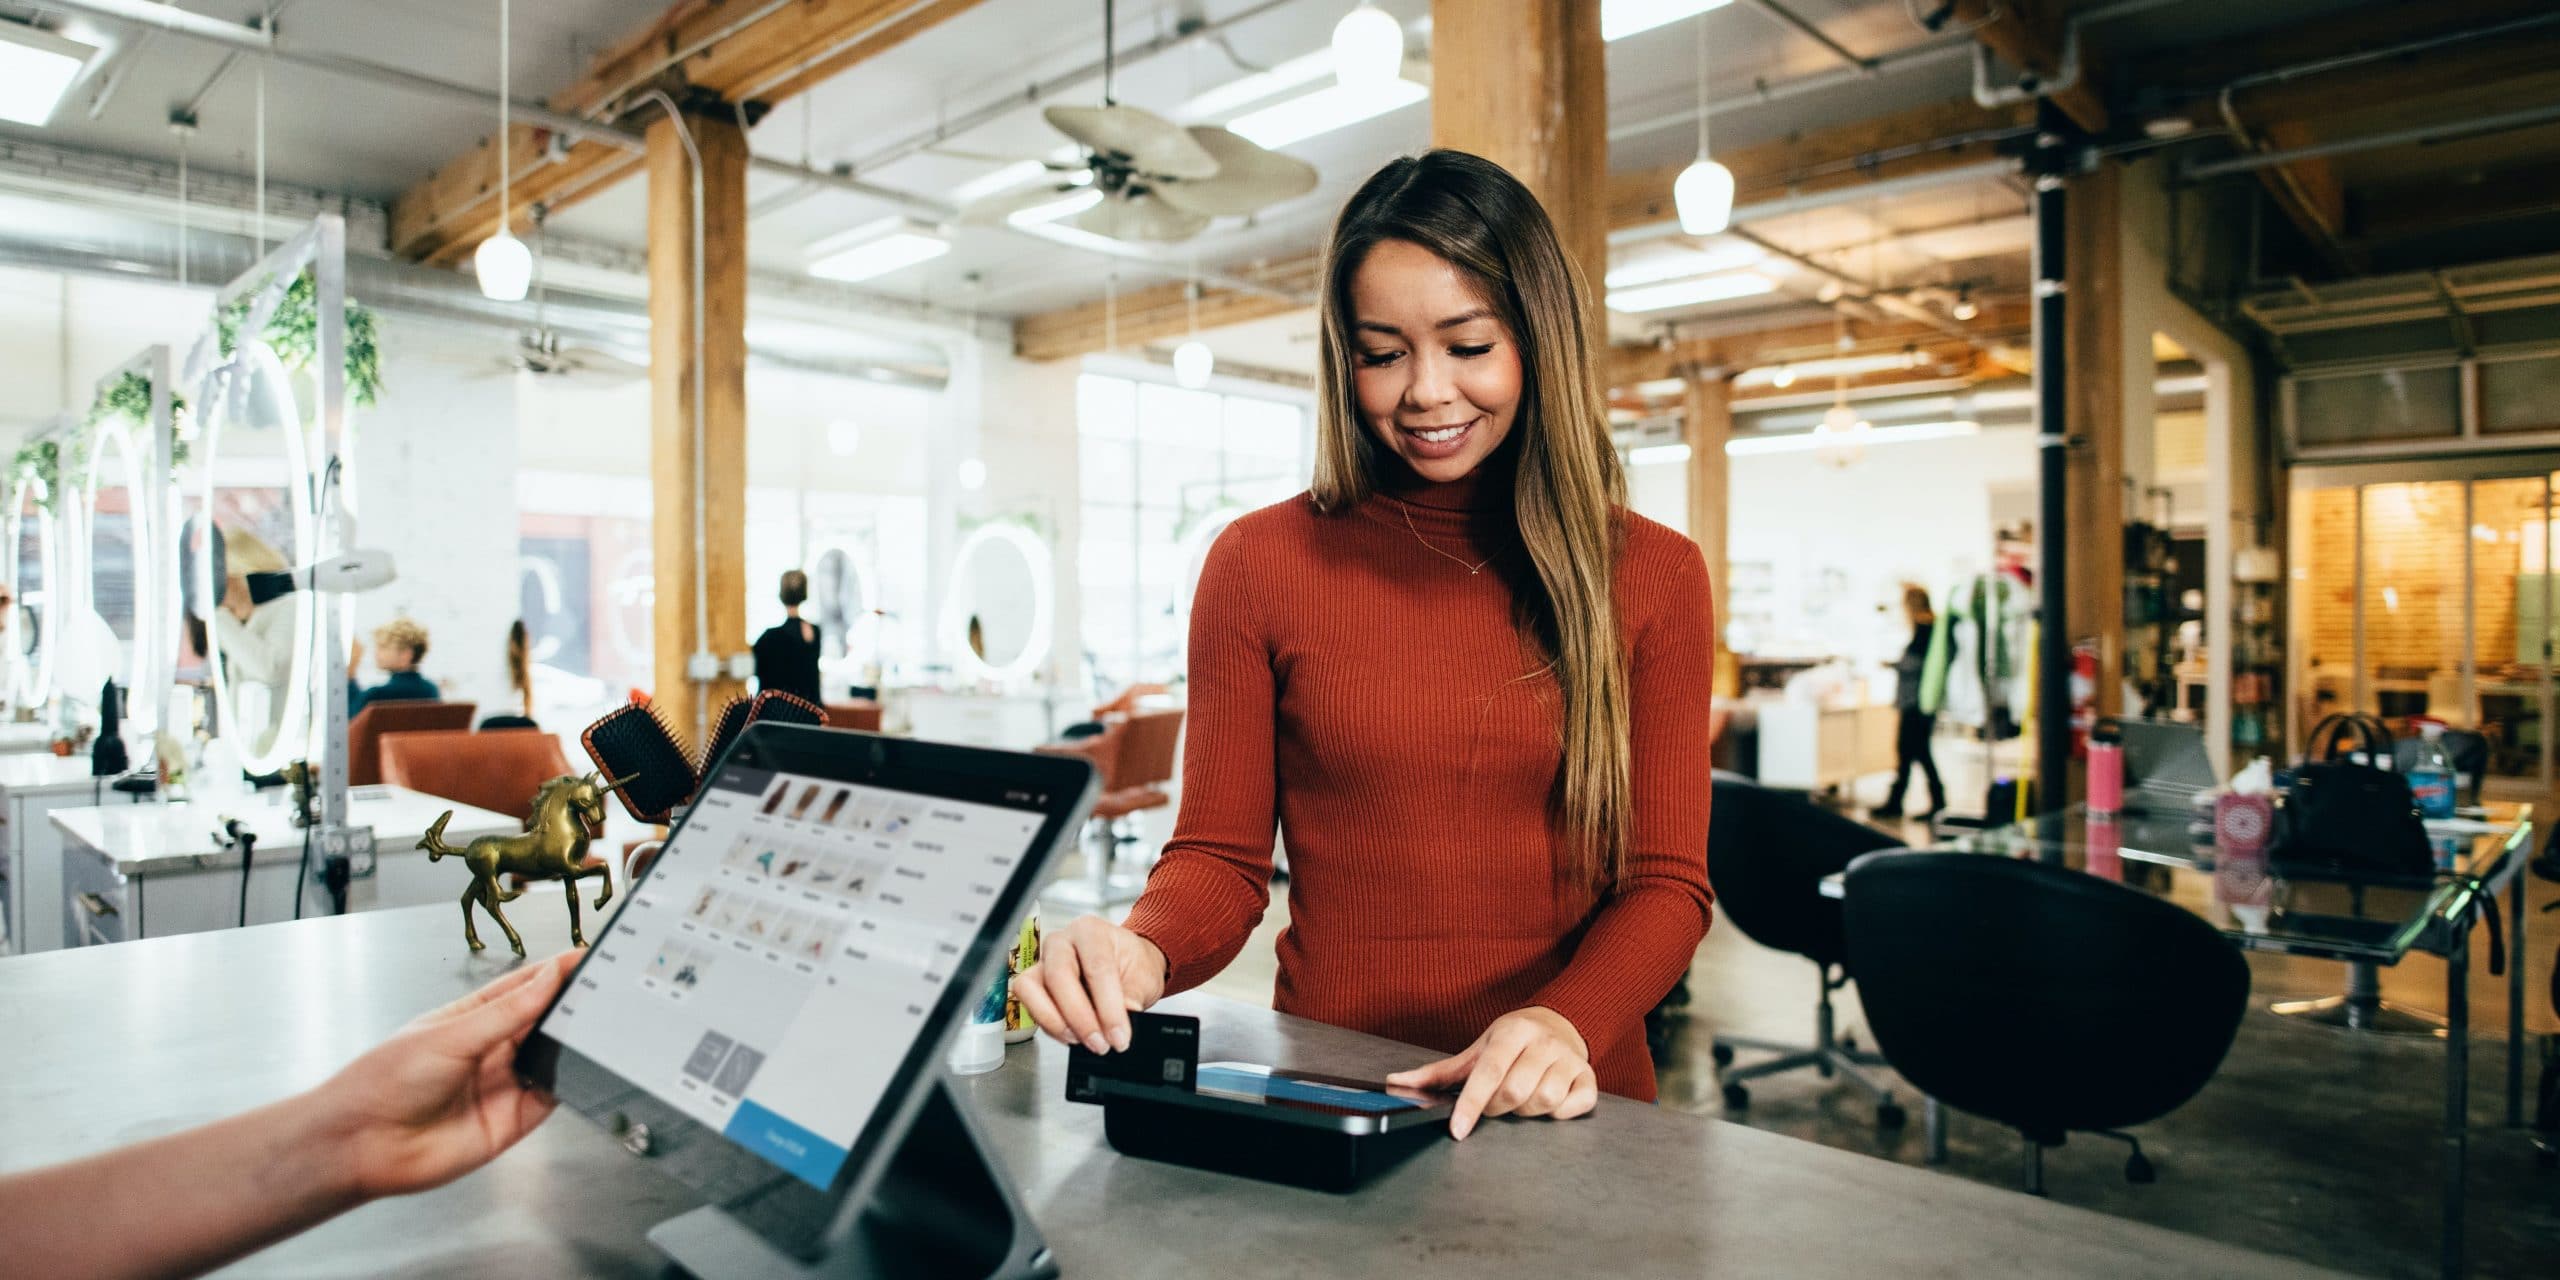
(116, 461)
(253, 393)
(1002, 579)
(33, 620)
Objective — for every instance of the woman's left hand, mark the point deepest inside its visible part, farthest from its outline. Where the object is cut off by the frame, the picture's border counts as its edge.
(1528, 1063)
(441, 1098)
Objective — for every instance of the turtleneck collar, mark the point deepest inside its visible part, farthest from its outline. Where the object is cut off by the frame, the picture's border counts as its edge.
(1475, 507)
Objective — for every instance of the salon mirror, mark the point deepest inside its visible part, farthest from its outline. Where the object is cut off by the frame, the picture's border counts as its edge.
(251, 467)
(33, 572)
(118, 587)
(996, 623)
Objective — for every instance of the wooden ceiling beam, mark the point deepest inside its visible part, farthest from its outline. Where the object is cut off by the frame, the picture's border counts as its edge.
(1929, 139)
(2401, 210)
(2029, 34)
(700, 45)
(1631, 363)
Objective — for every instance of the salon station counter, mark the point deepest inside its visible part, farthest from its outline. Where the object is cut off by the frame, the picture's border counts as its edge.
(134, 871)
(144, 1039)
(32, 786)
(27, 737)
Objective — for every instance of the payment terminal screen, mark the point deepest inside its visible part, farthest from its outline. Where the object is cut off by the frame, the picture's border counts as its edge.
(772, 971)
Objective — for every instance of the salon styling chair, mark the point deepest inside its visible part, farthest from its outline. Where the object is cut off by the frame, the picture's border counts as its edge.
(1768, 853)
(366, 730)
(2044, 998)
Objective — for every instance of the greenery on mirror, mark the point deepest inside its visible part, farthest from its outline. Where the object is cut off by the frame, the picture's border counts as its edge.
(129, 398)
(293, 333)
(41, 459)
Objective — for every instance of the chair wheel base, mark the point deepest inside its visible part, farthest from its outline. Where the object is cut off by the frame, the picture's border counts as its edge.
(2138, 1170)
(1736, 1098)
(1722, 1054)
(1890, 1115)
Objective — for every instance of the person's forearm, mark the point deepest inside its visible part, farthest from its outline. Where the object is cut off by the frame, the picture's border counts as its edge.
(180, 1205)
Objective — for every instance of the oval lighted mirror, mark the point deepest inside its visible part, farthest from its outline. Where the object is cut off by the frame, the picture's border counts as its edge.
(118, 562)
(34, 573)
(996, 622)
(253, 525)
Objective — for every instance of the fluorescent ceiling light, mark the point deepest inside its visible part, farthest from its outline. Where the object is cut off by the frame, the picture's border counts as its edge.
(1679, 264)
(1323, 111)
(1065, 206)
(1238, 94)
(875, 249)
(1839, 367)
(1687, 293)
(1622, 18)
(1654, 454)
(1004, 179)
(36, 69)
(1808, 441)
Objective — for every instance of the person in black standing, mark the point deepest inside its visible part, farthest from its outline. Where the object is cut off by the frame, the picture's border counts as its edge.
(1911, 744)
(787, 655)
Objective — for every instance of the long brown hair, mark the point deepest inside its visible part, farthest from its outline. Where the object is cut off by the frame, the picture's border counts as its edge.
(1567, 485)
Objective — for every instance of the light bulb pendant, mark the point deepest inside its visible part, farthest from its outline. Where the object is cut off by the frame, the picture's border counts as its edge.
(1368, 48)
(504, 267)
(1703, 194)
(1193, 362)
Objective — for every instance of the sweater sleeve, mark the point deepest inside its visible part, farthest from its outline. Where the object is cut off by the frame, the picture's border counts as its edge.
(1644, 934)
(1213, 881)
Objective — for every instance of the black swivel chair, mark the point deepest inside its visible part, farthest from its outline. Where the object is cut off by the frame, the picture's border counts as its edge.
(2044, 998)
(1767, 855)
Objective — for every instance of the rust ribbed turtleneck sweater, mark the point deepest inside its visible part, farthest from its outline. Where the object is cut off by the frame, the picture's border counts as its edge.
(1351, 681)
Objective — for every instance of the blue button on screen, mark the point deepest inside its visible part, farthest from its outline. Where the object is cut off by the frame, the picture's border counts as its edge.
(794, 1150)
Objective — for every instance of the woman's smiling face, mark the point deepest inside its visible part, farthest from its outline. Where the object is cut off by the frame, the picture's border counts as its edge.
(1436, 371)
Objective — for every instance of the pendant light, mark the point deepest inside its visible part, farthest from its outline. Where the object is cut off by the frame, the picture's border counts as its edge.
(1193, 362)
(503, 264)
(1841, 437)
(1368, 48)
(1703, 193)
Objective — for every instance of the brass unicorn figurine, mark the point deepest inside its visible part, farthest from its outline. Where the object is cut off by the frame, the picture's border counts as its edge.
(554, 843)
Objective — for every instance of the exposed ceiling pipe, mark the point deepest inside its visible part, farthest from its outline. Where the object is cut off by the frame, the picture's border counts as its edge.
(1953, 49)
(1791, 20)
(401, 288)
(2418, 135)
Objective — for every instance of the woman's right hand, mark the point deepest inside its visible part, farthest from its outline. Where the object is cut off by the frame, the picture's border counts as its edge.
(1090, 975)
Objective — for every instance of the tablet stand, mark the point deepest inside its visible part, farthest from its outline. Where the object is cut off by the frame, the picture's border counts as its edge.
(942, 1210)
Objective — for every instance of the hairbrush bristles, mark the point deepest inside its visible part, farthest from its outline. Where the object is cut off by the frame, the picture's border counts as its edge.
(634, 743)
(725, 729)
(786, 708)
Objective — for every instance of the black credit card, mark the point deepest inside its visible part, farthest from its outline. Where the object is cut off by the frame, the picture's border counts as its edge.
(1164, 1051)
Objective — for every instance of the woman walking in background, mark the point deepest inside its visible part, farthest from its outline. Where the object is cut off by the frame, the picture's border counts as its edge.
(1911, 743)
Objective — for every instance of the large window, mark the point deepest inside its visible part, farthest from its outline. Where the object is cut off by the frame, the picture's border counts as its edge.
(1163, 469)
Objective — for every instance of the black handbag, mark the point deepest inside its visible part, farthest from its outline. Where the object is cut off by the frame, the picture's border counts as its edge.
(2349, 821)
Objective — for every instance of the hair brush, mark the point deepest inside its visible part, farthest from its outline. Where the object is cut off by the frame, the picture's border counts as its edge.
(633, 744)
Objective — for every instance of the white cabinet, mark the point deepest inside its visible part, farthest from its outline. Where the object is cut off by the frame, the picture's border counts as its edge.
(1805, 747)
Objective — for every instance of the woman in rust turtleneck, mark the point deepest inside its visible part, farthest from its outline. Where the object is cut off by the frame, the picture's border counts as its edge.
(1469, 684)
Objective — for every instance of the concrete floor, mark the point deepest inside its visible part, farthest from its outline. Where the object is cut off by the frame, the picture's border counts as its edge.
(2310, 1143)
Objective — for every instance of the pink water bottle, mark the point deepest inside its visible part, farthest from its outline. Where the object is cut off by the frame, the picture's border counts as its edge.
(2106, 769)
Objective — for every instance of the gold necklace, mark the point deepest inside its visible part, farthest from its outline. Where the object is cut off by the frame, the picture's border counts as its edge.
(1477, 567)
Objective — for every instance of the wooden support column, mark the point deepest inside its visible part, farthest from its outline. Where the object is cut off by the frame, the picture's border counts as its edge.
(1524, 83)
(2094, 335)
(719, 440)
(1707, 423)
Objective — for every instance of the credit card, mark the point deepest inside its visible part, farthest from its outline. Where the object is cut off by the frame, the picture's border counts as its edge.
(1164, 1051)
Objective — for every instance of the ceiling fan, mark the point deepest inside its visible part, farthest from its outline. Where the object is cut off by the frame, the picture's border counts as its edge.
(538, 350)
(1157, 181)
